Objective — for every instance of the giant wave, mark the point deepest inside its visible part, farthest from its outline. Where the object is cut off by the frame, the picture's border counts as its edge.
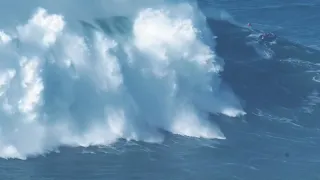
(128, 73)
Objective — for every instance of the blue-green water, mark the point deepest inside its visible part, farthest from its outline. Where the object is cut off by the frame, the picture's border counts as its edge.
(114, 90)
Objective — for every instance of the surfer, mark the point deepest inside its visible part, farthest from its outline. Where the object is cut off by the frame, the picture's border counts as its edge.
(267, 37)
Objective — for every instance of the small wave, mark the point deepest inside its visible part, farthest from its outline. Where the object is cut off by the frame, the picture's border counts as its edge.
(316, 78)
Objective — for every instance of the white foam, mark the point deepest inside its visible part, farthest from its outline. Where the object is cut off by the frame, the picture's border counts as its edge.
(4, 38)
(56, 89)
(42, 28)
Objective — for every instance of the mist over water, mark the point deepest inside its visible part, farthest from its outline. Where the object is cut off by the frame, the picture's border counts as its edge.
(167, 89)
(79, 82)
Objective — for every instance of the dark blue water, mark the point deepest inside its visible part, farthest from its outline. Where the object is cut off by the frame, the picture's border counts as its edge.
(278, 138)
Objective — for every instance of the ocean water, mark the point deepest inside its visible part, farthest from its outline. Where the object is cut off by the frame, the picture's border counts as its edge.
(159, 89)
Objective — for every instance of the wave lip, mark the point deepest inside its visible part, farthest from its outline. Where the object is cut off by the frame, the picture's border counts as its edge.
(59, 87)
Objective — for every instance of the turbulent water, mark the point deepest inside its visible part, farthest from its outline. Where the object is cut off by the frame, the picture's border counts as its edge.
(159, 89)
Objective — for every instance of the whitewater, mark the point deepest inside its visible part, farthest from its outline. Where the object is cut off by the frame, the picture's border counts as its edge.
(161, 89)
(114, 71)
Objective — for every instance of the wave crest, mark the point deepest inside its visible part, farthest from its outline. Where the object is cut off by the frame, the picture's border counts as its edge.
(59, 87)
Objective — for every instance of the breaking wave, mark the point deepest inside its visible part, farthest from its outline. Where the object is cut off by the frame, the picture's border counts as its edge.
(128, 74)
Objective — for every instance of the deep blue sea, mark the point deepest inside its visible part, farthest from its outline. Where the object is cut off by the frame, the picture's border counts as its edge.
(159, 90)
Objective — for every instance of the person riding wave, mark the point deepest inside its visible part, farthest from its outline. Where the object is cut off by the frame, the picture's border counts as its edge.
(265, 36)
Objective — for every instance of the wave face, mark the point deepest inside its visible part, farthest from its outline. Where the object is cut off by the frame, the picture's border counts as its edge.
(71, 78)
